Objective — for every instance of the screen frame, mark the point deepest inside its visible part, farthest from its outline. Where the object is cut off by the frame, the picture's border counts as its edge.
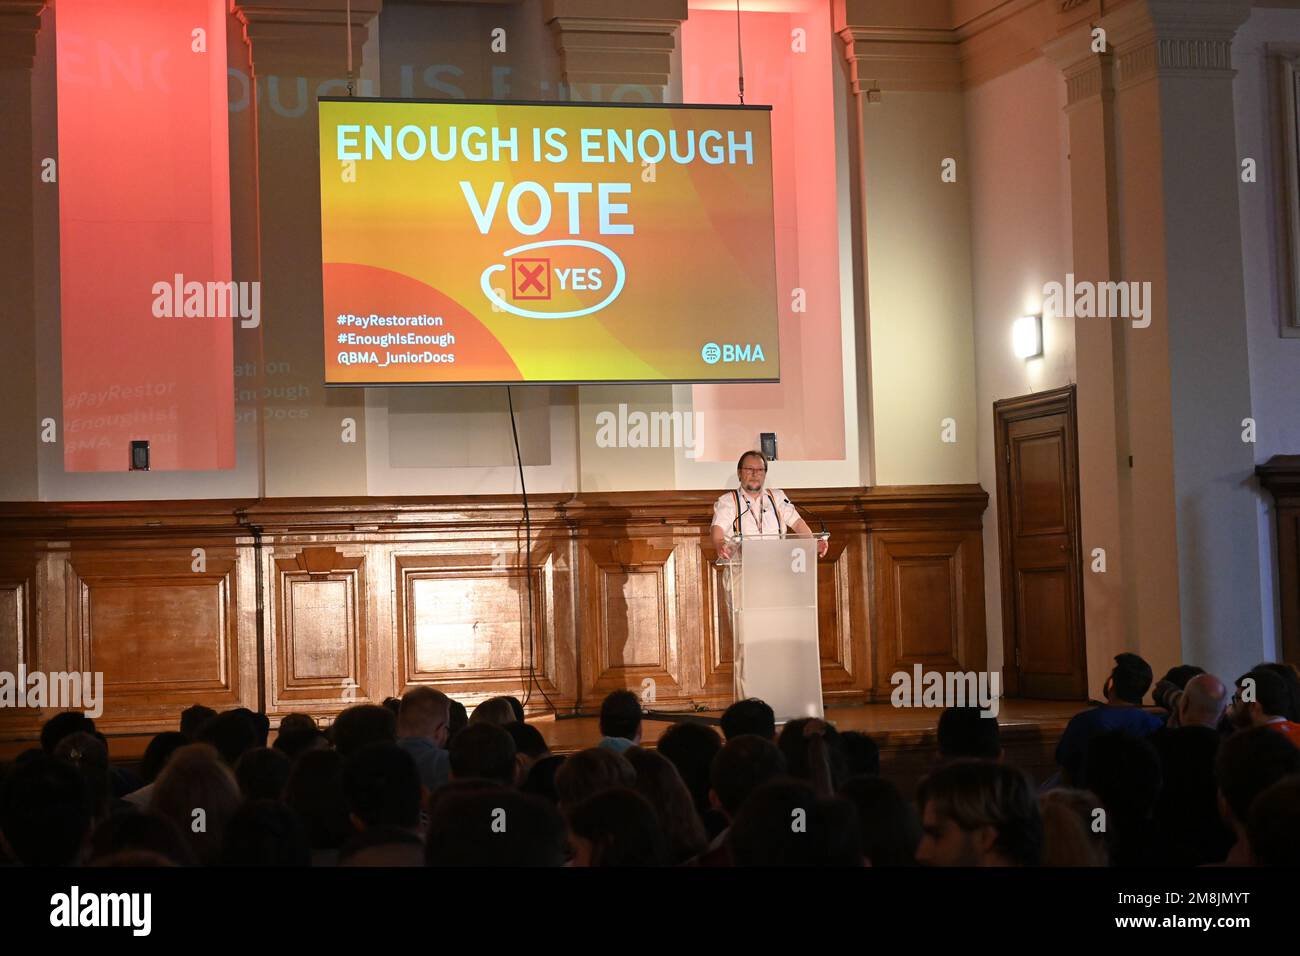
(754, 107)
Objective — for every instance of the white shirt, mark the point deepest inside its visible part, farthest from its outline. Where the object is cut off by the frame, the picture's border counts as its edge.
(756, 516)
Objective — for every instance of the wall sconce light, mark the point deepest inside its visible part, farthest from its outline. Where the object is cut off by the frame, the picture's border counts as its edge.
(1027, 336)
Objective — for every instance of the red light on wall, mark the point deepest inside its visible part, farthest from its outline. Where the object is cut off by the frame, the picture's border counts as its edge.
(144, 197)
(788, 56)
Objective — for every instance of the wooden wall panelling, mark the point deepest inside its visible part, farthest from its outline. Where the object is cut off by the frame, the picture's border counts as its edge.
(361, 597)
(118, 588)
(925, 587)
(462, 616)
(19, 643)
(317, 645)
(639, 600)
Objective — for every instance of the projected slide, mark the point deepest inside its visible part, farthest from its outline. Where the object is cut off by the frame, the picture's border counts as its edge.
(489, 242)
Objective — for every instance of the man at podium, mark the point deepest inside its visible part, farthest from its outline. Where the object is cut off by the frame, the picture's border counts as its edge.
(753, 510)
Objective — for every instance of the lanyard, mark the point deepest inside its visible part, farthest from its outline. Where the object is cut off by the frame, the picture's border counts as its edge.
(758, 518)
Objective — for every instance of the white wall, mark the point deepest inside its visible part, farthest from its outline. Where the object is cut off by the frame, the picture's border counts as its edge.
(1274, 361)
(1020, 223)
(918, 262)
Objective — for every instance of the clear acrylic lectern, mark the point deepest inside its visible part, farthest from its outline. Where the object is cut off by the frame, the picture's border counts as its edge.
(771, 584)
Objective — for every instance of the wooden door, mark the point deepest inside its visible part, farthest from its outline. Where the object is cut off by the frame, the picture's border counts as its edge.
(1038, 523)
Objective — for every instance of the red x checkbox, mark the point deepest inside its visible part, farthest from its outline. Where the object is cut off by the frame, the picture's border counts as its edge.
(530, 278)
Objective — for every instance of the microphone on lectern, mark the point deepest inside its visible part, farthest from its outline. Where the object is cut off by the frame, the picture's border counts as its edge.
(811, 512)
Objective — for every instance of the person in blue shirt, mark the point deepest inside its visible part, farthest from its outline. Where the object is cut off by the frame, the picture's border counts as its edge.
(422, 730)
(1128, 683)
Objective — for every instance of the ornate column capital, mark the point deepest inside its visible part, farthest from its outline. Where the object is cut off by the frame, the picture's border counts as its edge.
(20, 21)
(305, 36)
(1174, 37)
(900, 58)
(898, 47)
(615, 42)
(1087, 74)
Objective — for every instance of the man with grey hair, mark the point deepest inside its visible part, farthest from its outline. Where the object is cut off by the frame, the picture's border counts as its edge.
(1187, 813)
(422, 728)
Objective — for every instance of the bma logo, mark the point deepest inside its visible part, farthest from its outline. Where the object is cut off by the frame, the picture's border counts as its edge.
(713, 353)
(536, 279)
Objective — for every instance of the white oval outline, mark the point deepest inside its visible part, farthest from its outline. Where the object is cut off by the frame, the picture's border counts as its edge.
(609, 254)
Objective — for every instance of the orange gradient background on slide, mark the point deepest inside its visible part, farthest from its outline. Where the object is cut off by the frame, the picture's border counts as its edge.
(400, 238)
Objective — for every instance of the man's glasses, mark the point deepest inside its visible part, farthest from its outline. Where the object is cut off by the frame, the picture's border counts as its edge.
(753, 471)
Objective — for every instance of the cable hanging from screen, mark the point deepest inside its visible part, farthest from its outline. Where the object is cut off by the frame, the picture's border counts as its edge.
(528, 567)
(740, 56)
(349, 29)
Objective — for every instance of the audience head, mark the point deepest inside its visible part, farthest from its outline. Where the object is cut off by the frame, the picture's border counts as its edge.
(530, 746)
(383, 846)
(528, 740)
(61, 725)
(393, 704)
(231, 732)
(1124, 772)
(426, 713)
(88, 755)
(1129, 680)
(297, 723)
(785, 823)
(261, 725)
(589, 772)
(1291, 679)
(691, 747)
(1262, 696)
(459, 720)
(316, 793)
(362, 725)
(540, 779)
(749, 716)
(465, 830)
(965, 732)
(193, 718)
(383, 787)
(1069, 835)
(1203, 701)
(495, 710)
(196, 780)
(294, 743)
(886, 819)
(1249, 762)
(1168, 691)
(617, 827)
(620, 716)
(159, 751)
(484, 751)
(517, 706)
(1273, 827)
(1180, 674)
(659, 782)
(861, 754)
(744, 764)
(262, 774)
(265, 833)
(45, 811)
(797, 748)
(133, 859)
(140, 832)
(978, 813)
